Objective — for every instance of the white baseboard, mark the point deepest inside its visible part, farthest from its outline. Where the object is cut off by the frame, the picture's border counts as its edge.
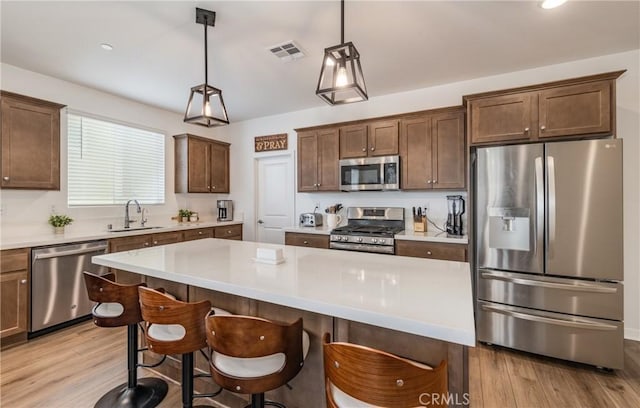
(632, 334)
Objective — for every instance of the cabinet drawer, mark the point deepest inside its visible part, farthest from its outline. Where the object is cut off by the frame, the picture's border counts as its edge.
(14, 260)
(229, 231)
(190, 235)
(306, 240)
(166, 238)
(448, 252)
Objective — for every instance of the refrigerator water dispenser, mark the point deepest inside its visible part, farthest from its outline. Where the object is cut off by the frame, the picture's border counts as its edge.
(509, 228)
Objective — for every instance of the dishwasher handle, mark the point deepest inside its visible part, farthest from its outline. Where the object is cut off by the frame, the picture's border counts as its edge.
(97, 248)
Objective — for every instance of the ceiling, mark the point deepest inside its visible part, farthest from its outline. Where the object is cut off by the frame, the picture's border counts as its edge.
(158, 48)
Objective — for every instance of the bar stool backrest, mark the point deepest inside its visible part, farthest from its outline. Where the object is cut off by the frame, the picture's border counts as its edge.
(160, 309)
(381, 379)
(104, 289)
(251, 337)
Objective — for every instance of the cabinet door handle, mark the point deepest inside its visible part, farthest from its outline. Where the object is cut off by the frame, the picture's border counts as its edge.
(146, 244)
(199, 232)
(429, 253)
(214, 187)
(526, 130)
(229, 232)
(305, 242)
(428, 181)
(23, 281)
(6, 178)
(209, 187)
(435, 181)
(373, 148)
(543, 127)
(155, 242)
(318, 184)
(364, 149)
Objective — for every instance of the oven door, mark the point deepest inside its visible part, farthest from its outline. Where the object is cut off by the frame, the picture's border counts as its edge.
(370, 173)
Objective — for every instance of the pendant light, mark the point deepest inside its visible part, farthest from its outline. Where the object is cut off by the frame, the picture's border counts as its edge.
(341, 80)
(208, 109)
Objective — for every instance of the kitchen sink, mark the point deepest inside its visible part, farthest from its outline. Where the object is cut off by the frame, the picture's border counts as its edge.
(132, 229)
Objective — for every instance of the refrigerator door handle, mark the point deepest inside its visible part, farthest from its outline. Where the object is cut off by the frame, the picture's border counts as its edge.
(551, 168)
(549, 320)
(539, 226)
(581, 287)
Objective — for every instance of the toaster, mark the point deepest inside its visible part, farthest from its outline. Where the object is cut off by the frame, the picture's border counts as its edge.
(310, 219)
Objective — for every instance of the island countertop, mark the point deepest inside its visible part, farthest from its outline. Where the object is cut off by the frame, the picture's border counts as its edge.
(430, 298)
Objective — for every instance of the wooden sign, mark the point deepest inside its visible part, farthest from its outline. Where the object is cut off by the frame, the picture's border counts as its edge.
(271, 142)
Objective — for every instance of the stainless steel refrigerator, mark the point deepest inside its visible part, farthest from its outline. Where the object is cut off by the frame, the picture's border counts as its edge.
(549, 260)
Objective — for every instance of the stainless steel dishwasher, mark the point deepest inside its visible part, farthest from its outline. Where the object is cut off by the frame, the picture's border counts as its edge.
(58, 292)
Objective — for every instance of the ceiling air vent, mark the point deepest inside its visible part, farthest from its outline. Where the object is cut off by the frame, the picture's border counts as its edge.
(287, 51)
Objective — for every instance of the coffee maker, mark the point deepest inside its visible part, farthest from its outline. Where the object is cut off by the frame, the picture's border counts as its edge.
(455, 205)
(225, 210)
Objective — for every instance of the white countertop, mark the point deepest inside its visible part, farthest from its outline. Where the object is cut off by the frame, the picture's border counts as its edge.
(429, 236)
(50, 238)
(426, 297)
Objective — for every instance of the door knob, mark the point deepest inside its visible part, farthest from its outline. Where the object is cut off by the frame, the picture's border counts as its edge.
(260, 222)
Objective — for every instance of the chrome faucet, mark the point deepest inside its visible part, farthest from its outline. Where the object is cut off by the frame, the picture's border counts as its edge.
(128, 221)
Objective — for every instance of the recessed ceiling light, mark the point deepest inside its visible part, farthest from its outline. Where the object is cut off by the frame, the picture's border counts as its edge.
(549, 4)
(106, 46)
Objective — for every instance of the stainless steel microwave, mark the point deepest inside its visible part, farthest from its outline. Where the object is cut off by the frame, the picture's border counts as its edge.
(370, 173)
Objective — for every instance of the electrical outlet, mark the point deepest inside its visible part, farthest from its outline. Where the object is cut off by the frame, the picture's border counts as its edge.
(317, 206)
(426, 207)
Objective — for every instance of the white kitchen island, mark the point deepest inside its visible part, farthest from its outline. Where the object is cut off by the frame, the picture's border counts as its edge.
(418, 308)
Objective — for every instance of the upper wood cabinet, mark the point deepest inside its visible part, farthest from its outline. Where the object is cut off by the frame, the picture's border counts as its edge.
(30, 134)
(14, 298)
(379, 138)
(318, 160)
(432, 151)
(202, 165)
(571, 108)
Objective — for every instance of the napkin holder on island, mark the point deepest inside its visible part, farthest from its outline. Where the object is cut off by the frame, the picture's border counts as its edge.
(269, 256)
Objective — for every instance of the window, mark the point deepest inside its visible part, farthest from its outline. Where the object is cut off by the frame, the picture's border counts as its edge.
(110, 163)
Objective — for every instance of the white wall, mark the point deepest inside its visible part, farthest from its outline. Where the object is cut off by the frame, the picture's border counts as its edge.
(26, 212)
(628, 117)
(33, 207)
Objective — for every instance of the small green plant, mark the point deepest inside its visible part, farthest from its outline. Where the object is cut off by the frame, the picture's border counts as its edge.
(184, 213)
(60, 220)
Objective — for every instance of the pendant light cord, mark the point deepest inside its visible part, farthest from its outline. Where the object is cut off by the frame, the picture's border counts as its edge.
(341, 21)
(206, 67)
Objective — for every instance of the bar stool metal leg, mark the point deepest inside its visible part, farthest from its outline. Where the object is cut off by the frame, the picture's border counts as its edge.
(143, 393)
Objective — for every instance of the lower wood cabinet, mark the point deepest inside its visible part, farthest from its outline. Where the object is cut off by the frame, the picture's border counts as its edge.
(306, 240)
(200, 233)
(432, 250)
(14, 296)
(229, 232)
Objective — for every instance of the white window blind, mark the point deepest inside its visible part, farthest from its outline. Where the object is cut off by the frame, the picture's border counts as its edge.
(110, 163)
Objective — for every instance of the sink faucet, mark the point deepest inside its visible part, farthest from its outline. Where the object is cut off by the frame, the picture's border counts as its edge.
(128, 221)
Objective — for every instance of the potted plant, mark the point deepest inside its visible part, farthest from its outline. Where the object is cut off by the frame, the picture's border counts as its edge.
(184, 215)
(59, 222)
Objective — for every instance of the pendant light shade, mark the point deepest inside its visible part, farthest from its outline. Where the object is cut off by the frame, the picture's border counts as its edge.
(206, 106)
(341, 79)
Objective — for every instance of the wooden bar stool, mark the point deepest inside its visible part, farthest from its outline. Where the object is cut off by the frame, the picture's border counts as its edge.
(251, 355)
(175, 327)
(363, 377)
(117, 305)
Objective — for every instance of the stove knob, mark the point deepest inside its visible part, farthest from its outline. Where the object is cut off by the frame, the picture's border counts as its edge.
(382, 241)
(374, 240)
(360, 239)
(340, 238)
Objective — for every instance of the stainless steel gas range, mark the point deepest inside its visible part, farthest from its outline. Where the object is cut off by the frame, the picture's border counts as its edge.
(369, 229)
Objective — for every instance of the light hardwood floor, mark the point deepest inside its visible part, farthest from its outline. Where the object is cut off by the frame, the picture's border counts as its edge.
(73, 367)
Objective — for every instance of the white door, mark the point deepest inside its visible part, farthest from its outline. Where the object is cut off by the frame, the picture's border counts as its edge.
(275, 197)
